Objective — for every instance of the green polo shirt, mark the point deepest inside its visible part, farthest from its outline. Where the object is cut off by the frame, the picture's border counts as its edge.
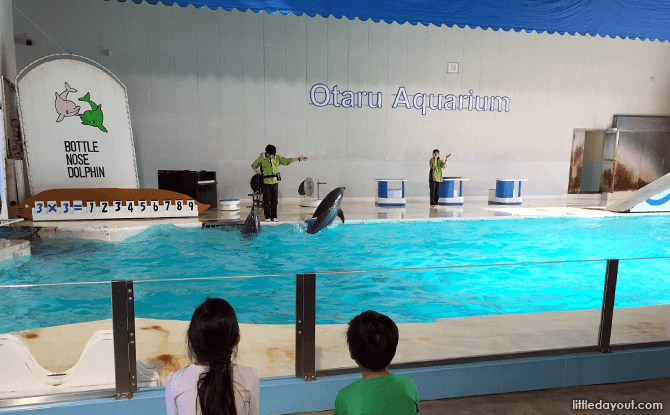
(386, 395)
(436, 168)
(270, 166)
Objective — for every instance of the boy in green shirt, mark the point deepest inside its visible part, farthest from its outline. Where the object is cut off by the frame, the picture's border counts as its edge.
(373, 339)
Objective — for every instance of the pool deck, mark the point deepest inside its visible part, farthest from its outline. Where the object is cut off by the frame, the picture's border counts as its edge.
(355, 209)
(271, 348)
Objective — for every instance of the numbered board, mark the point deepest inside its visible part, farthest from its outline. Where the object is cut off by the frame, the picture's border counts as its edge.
(115, 209)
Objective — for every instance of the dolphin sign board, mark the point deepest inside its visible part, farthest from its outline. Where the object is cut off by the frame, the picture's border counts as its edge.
(76, 125)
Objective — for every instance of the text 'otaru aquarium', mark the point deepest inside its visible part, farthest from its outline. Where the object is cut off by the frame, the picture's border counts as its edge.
(320, 95)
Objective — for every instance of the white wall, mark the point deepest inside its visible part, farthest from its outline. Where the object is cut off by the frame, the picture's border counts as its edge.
(209, 89)
(7, 54)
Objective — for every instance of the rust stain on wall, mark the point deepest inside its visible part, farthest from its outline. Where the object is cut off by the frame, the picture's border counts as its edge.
(276, 355)
(624, 179)
(607, 179)
(29, 335)
(170, 362)
(576, 164)
(155, 328)
(646, 328)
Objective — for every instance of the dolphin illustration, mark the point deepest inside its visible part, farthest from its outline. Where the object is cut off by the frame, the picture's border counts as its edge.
(328, 210)
(92, 117)
(66, 108)
(251, 224)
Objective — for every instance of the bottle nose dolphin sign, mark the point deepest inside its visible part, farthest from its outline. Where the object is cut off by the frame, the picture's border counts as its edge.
(328, 210)
(251, 224)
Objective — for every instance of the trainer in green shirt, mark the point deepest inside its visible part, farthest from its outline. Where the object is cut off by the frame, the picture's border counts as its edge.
(384, 395)
(270, 165)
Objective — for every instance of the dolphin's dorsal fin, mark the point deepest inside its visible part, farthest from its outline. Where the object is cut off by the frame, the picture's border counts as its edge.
(340, 215)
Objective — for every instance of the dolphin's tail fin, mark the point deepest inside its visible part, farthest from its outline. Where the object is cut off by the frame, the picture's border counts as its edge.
(68, 88)
(86, 98)
(340, 215)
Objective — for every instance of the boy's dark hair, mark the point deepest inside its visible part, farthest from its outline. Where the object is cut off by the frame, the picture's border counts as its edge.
(270, 149)
(436, 151)
(372, 339)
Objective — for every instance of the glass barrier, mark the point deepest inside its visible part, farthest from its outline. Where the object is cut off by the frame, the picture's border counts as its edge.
(642, 302)
(265, 308)
(464, 311)
(56, 338)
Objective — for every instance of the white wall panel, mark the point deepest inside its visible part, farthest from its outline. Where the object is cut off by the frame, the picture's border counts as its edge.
(539, 83)
(436, 64)
(501, 147)
(297, 89)
(453, 84)
(231, 76)
(376, 127)
(184, 37)
(522, 144)
(274, 49)
(138, 70)
(338, 51)
(607, 79)
(556, 100)
(317, 72)
(573, 90)
(85, 39)
(416, 85)
(397, 77)
(110, 38)
(165, 143)
(471, 67)
(590, 80)
(208, 89)
(357, 76)
(253, 97)
(488, 86)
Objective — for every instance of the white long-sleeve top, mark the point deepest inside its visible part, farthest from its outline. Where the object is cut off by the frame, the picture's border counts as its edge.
(181, 390)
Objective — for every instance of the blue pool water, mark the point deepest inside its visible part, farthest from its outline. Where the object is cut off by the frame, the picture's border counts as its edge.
(167, 251)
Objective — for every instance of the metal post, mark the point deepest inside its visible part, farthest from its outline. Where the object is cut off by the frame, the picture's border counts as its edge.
(605, 331)
(305, 326)
(123, 324)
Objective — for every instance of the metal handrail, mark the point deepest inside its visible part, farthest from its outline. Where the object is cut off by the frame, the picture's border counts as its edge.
(359, 271)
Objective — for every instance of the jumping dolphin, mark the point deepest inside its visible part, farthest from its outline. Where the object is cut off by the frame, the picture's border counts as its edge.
(251, 224)
(328, 209)
(66, 108)
(92, 117)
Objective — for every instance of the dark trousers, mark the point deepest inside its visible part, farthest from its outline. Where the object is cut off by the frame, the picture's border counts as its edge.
(434, 190)
(270, 192)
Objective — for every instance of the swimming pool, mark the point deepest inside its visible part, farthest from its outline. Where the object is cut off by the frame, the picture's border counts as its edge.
(167, 251)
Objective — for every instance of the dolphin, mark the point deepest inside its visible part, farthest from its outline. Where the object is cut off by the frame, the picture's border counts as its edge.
(66, 108)
(328, 210)
(251, 224)
(92, 117)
